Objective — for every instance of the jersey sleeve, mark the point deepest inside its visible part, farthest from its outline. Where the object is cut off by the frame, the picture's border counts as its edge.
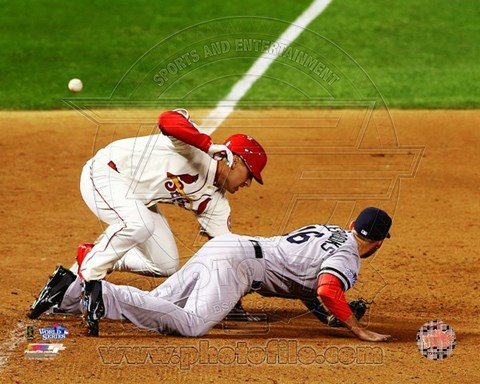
(342, 265)
(215, 219)
(176, 125)
(329, 290)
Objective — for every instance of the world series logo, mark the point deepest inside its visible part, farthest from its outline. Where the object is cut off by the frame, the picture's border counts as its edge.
(436, 340)
(55, 332)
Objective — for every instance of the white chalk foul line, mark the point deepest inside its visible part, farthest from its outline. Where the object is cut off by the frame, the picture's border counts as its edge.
(16, 336)
(225, 107)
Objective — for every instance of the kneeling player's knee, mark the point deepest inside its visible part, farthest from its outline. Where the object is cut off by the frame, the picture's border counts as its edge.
(139, 231)
(161, 270)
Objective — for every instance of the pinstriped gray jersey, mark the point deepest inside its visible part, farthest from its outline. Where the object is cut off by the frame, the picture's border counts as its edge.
(294, 261)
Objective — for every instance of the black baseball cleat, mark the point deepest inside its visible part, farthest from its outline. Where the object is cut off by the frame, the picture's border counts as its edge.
(52, 293)
(93, 307)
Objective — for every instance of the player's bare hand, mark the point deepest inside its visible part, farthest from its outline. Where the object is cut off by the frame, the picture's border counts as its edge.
(219, 152)
(366, 335)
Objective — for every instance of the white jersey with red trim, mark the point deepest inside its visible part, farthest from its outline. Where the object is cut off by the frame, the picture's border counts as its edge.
(295, 260)
(161, 169)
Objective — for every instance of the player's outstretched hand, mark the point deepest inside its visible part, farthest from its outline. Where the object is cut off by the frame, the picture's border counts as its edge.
(219, 152)
(366, 335)
(363, 333)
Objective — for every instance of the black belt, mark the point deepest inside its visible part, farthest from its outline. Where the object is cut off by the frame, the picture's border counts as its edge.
(258, 255)
(258, 249)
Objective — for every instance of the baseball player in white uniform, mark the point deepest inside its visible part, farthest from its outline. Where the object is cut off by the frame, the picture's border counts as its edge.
(124, 181)
(126, 178)
(317, 260)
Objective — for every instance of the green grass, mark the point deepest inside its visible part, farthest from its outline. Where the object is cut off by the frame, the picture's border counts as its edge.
(43, 44)
(417, 54)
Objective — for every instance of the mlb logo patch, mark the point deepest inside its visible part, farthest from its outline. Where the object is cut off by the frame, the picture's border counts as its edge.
(352, 276)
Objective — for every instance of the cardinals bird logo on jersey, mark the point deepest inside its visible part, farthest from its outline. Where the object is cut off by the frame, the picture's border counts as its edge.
(175, 187)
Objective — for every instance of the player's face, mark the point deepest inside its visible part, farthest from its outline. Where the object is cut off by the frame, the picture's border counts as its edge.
(238, 177)
(375, 247)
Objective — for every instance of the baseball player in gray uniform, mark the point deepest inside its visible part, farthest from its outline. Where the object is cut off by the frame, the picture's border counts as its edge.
(315, 261)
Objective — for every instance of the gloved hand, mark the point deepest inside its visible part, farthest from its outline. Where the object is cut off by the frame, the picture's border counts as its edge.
(219, 152)
(358, 307)
(183, 112)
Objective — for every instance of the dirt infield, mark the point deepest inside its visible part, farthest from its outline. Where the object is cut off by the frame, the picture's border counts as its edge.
(324, 166)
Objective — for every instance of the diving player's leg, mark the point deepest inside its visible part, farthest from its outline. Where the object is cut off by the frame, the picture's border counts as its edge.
(231, 266)
(161, 309)
(147, 311)
(208, 285)
(71, 302)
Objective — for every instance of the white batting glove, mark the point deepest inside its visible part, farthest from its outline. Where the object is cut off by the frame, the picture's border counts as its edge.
(183, 112)
(219, 152)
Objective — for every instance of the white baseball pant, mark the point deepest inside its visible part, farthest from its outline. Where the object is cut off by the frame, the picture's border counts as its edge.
(198, 296)
(136, 240)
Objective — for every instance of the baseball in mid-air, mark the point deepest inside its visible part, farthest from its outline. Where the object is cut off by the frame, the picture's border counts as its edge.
(75, 85)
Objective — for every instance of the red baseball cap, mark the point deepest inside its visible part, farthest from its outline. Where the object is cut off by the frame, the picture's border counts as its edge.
(250, 151)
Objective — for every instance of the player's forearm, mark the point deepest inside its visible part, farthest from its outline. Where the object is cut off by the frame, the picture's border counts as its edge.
(353, 325)
(174, 124)
(330, 293)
